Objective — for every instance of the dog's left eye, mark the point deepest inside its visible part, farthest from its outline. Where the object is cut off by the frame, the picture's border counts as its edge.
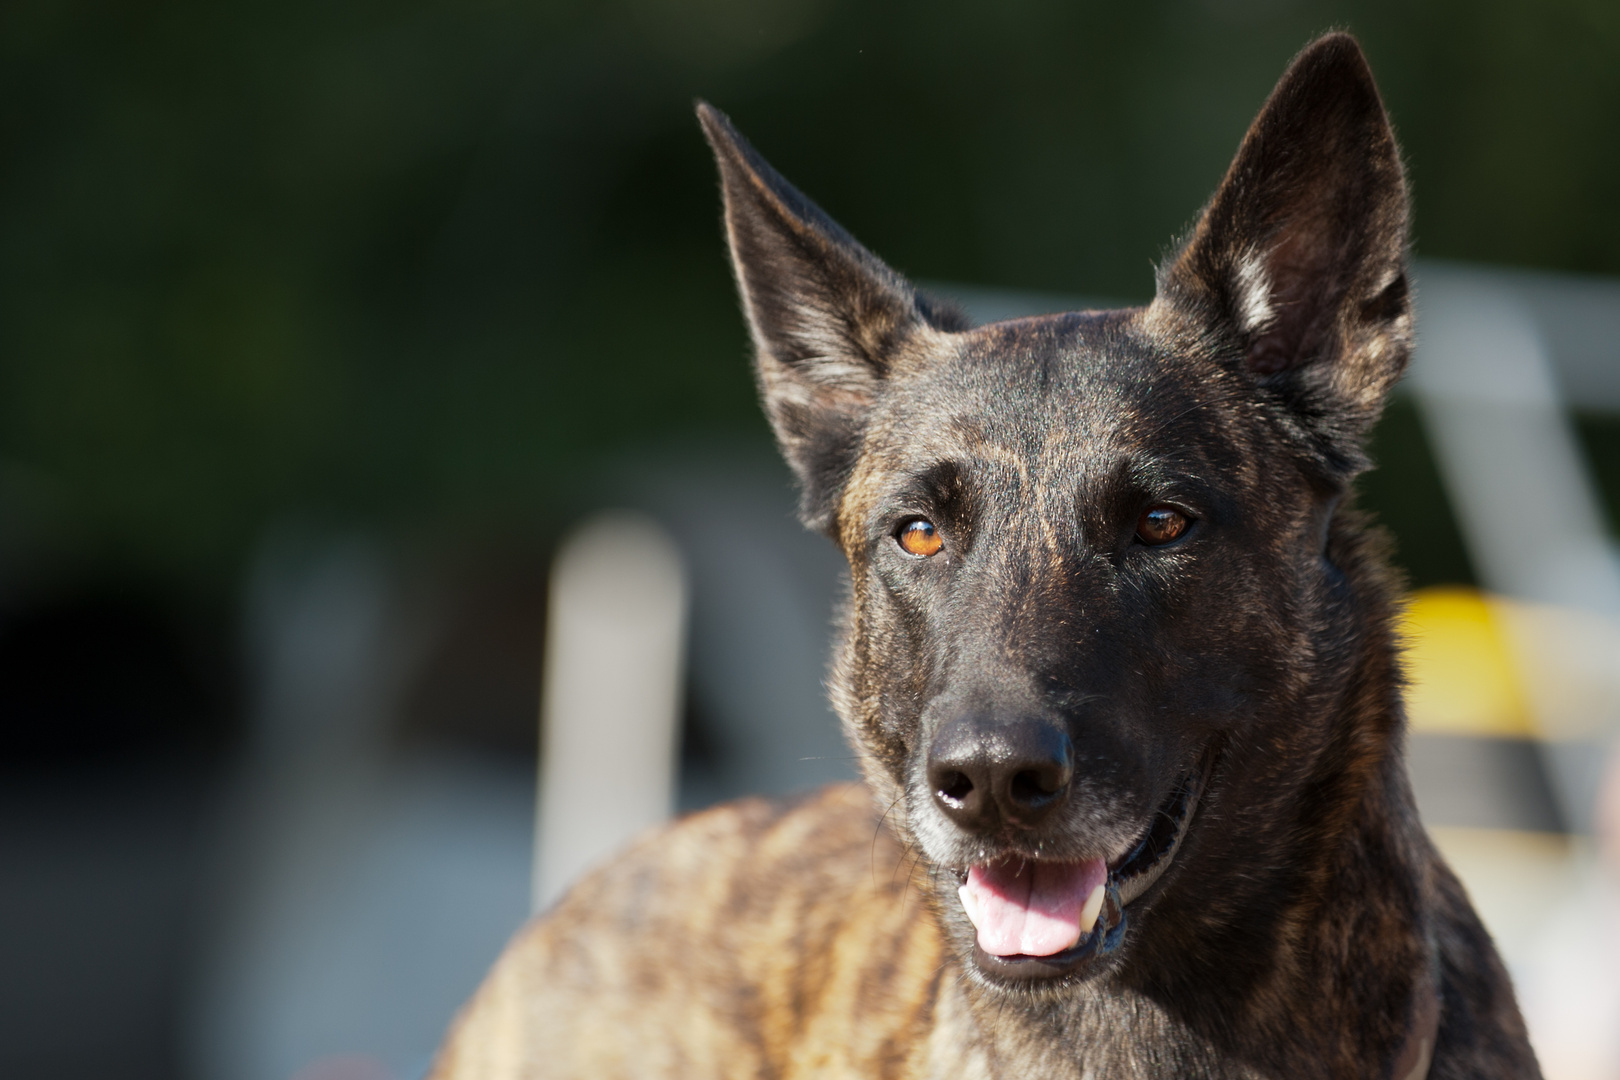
(1160, 525)
(919, 537)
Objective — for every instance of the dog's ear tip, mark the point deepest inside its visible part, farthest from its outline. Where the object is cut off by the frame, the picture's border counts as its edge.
(742, 168)
(1334, 42)
(1330, 65)
(709, 116)
(716, 125)
(1334, 48)
(724, 139)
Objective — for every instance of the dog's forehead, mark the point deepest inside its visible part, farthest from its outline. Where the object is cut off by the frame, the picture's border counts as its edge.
(1059, 389)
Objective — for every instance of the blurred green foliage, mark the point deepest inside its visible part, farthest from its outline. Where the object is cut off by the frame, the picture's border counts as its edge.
(398, 265)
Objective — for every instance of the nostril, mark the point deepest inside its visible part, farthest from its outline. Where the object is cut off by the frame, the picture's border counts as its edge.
(1032, 786)
(954, 786)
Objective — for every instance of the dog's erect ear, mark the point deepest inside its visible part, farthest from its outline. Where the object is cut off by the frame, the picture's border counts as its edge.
(1298, 264)
(827, 317)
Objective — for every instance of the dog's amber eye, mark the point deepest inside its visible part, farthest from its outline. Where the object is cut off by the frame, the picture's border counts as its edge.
(919, 537)
(1160, 525)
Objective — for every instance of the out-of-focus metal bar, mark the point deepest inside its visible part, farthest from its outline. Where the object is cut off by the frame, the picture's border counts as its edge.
(1514, 469)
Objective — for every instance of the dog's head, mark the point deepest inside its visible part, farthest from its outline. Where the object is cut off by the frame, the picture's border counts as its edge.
(1098, 567)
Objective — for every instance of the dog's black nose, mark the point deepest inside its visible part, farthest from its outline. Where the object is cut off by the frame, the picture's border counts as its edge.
(985, 772)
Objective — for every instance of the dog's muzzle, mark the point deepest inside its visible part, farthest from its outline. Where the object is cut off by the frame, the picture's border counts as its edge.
(1041, 919)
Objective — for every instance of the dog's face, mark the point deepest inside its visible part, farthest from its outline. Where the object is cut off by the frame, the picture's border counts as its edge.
(1090, 553)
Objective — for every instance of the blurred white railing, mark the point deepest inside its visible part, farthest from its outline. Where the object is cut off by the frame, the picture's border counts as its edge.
(610, 706)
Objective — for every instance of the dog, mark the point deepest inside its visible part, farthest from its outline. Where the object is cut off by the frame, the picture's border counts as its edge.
(1118, 664)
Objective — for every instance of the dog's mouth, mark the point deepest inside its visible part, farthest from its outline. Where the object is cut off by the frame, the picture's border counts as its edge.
(1044, 919)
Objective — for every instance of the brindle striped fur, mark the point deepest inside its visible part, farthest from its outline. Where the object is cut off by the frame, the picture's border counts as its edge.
(1306, 922)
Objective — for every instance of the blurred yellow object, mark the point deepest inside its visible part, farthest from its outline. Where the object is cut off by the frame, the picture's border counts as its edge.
(1460, 663)
(1480, 664)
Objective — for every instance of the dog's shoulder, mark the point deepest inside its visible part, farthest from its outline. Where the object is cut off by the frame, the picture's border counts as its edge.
(760, 937)
(1482, 1034)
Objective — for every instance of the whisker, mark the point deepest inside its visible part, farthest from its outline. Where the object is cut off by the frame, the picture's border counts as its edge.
(871, 857)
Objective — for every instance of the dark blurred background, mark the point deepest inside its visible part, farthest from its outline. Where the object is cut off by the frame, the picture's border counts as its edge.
(416, 278)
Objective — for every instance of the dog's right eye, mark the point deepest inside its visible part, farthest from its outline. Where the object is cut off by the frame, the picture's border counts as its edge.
(1160, 525)
(919, 537)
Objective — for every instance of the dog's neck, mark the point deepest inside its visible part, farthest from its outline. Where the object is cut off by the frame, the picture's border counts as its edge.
(1123, 1035)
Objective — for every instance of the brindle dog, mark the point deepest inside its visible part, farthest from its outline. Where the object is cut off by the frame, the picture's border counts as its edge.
(1119, 666)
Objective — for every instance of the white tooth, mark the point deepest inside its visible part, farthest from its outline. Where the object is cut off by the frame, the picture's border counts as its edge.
(1093, 908)
(970, 904)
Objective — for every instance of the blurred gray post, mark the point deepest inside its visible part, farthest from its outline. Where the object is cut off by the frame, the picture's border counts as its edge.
(610, 704)
(1516, 476)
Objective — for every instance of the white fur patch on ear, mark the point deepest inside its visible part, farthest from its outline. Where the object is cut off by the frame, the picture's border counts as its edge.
(1253, 289)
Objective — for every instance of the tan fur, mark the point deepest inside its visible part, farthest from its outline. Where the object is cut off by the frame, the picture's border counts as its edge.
(746, 941)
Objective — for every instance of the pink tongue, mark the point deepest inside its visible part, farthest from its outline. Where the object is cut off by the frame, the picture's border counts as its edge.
(1030, 908)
